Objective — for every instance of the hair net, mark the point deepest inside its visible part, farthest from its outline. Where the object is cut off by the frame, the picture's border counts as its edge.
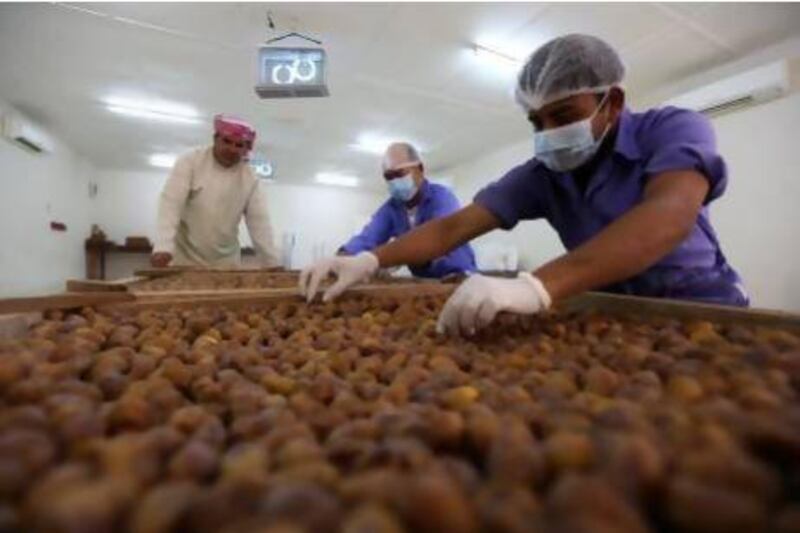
(400, 155)
(565, 66)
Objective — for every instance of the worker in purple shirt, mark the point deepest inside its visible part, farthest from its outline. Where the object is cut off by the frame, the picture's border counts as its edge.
(413, 201)
(628, 194)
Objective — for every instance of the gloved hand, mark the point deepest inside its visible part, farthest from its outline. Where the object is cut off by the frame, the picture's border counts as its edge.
(478, 300)
(348, 270)
(160, 259)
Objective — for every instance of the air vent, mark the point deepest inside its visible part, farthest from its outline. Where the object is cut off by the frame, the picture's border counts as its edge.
(25, 134)
(756, 86)
(731, 105)
(28, 144)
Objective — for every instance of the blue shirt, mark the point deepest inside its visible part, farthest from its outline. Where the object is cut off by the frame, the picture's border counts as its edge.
(391, 220)
(646, 144)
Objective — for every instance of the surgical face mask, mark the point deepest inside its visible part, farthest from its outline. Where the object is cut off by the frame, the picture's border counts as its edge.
(568, 147)
(402, 189)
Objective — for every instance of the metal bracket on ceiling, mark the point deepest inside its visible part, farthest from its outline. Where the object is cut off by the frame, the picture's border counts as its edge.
(272, 27)
(294, 34)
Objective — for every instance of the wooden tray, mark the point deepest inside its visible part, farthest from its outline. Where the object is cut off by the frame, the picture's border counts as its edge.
(89, 285)
(682, 310)
(62, 301)
(239, 298)
(139, 283)
(601, 302)
(133, 283)
(168, 271)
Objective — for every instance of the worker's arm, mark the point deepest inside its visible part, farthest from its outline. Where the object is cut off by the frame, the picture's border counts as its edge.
(635, 241)
(170, 206)
(458, 260)
(376, 232)
(437, 237)
(259, 226)
(419, 246)
(626, 247)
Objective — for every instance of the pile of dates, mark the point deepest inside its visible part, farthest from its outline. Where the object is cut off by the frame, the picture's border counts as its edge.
(356, 416)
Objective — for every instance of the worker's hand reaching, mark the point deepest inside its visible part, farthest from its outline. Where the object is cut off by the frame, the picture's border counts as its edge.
(348, 271)
(478, 300)
(160, 259)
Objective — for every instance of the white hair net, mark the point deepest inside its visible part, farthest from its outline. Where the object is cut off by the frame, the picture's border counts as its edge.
(565, 66)
(400, 155)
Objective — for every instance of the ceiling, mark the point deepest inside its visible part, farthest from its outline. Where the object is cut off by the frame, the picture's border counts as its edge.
(395, 69)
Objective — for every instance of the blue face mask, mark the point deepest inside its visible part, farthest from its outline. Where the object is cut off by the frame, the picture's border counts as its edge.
(568, 147)
(402, 189)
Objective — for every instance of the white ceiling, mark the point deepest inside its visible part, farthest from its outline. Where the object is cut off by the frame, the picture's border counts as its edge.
(398, 69)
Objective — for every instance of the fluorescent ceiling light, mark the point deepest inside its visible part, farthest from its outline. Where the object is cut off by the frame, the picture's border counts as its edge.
(152, 109)
(485, 53)
(163, 160)
(333, 178)
(372, 144)
(152, 115)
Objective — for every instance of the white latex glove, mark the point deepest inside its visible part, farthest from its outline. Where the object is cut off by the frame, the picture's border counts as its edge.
(478, 300)
(348, 271)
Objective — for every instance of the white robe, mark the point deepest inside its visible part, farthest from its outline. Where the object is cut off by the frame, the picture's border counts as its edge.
(200, 209)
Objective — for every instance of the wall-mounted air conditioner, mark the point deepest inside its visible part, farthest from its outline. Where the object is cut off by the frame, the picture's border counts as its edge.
(22, 132)
(752, 87)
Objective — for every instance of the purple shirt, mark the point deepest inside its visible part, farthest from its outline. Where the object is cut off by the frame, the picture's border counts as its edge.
(647, 144)
(391, 220)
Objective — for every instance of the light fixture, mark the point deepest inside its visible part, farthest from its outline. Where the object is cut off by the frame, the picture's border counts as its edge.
(491, 55)
(152, 110)
(334, 178)
(372, 144)
(163, 160)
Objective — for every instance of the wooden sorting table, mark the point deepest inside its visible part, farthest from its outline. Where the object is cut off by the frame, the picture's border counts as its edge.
(128, 293)
(135, 290)
(594, 301)
(17, 315)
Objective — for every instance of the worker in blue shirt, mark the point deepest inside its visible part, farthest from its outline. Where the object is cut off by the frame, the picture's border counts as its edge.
(413, 201)
(628, 193)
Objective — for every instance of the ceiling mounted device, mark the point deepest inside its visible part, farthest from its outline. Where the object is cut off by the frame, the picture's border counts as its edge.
(291, 71)
(262, 167)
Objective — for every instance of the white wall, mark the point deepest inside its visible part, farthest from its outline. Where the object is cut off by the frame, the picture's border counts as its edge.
(322, 218)
(534, 241)
(789, 48)
(757, 219)
(34, 190)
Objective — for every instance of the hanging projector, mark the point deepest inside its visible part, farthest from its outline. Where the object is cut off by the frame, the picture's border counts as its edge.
(262, 167)
(291, 72)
